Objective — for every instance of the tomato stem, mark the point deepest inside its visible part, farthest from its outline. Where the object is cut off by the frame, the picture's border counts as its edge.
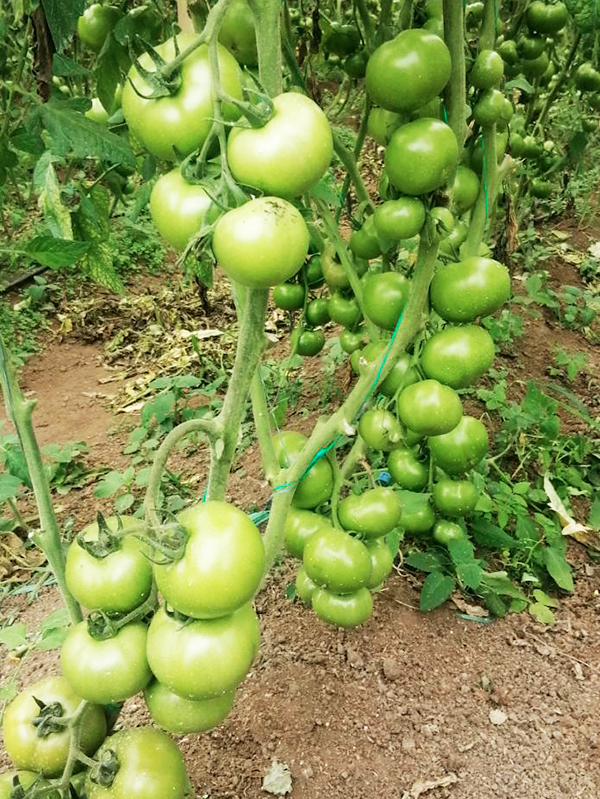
(455, 94)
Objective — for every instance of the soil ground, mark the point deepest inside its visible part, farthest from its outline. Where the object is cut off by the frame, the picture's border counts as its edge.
(409, 705)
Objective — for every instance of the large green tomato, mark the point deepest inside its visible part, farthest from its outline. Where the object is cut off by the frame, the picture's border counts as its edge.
(289, 154)
(487, 70)
(336, 560)
(348, 610)
(474, 287)
(106, 671)
(307, 342)
(94, 25)
(317, 312)
(384, 297)
(305, 587)
(222, 565)
(352, 340)
(382, 561)
(410, 70)
(202, 658)
(458, 356)
(455, 497)
(399, 219)
(373, 513)
(150, 766)
(178, 208)
(344, 310)
(47, 754)
(238, 34)
(380, 429)
(300, 525)
(97, 113)
(465, 189)
(317, 484)
(179, 123)
(446, 532)
(261, 243)
(490, 108)
(408, 472)
(462, 448)
(429, 408)
(364, 243)
(179, 715)
(418, 515)
(421, 156)
(116, 581)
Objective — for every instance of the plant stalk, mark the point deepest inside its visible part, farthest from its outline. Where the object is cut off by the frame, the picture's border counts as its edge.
(455, 94)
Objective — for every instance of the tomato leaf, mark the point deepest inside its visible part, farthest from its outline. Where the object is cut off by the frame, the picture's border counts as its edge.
(493, 602)
(500, 583)
(66, 67)
(14, 636)
(10, 486)
(423, 561)
(93, 225)
(487, 534)
(55, 252)
(558, 568)
(437, 588)
(541, 613)
(62, 16)
(112, 63)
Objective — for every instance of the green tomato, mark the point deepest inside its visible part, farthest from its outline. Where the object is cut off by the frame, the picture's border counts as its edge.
(455, 497)
(382, 561)
(344, 311)
(308, 342)
(349, 610)
(222, 565)
(179, 124)
(530, 47)
(462, 448)
(408, 71)
(381, 123)
(465, 190)
(47, 754)
(286, 156)
(97, 113)
(203, 658)
(352, 340)
(333, 271)
(418, 515)
(289, 296)
(587, 79)
(545, 18)
(374, 513)
(450, 245)
(384, 297)
(237, 33)
(317, 312)
(474, 287)
(337, 561)
(532, 148)
(444, 221)
(380, 429)
(181, 716)
(179, 208)
(421, 156)
(508, 52)
(116, 581)
(341, 39)
(458, 356)
(517, 147)
(487, 70)
(317, 484)
(150, 766)
(364, 243)
(399, 219)
(300, 525)
(403, 373)
(444, 532)
(541, 188)
(355, 66)
(106, 671)
(305, 587)
(94, 25)
(407, 471)
(536, 67)
(489, 108)
(261, 243)
(312, 272)
(429, 408)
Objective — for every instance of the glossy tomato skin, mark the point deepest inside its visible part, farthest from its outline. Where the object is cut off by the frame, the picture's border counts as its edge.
(116, 583)
(317, 484)
(487, 71)
(344, 310)
(97, 113)
(180, 122)
(300, 525)
(380, 429)
(178, 208)
(348, 610)
(289, 296)
(317, 312)
(150, 766)
(489, 108)
(176, 714)
(364, 243)
(337, 561)
(261, 243)
(384, 297)
(374, 513)
(222, 565)
(408, 71)
(48, 755)
(462, 448)
(94, 25)
(237, 33)
(408, 472)
(542, 189)
(308, 342)
(305, 587)
(205, 657)
(381, 123)
(444, 532)
(289, 154)
(458, 356)
(352, 340)
(403, 373)
(474, 287)
(107, 671)
(429, 408)
(465, 189)
(382, 561)
(545, 18)
(421, 156)
(455, 497)
(418, 516)
(399, 219)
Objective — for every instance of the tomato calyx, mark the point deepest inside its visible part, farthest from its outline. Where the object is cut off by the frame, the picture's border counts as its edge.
(165, 81)
(106, 543)
(106, 770)
(50, 719)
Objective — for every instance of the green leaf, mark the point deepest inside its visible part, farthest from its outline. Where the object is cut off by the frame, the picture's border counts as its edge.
(520, 83)
(594, 516)
(423, 561)
(66, 67)
(493, 602)
(543, 598)
(517, 605)
(14, 636)
(558, 568)
(27, 141)
(470, 574)
(10, 487)
(93, 225)
(53, 630)
(111, 483)
(501, 584)
(437, 588)
(487, 534)
(45, 182)
(8, 688)
(541, 613)
(62, 16)
(55, 252)
(124, 502)
(112, 64)
(393, 540)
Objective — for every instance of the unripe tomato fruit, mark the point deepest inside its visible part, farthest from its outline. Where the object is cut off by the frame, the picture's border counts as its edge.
(364, 242)
(305, 587)
(300, 525)
(308, 342)
(261, 243)
(180, 122)
(179, 208)
(348, 610)
(94, 25)
(222, 565)
(381, 123)
(418, 516)
(410, 70)
(380, 429)
(344, 310)
(352, 340)
(462, 448)
(429, 408)
(399, 219)
(317, 312)
(444, 532)
(455, 497)
(237, 33)
(403, 373)
(421, 156)
(474, 287)
(373, 513)
(317, 484)
(336, 560)
(289, 296)
(458, 356)
(384, 297)
(179, 715)
(408, 472)
(97, 113)
(487, 70)
(382, 561)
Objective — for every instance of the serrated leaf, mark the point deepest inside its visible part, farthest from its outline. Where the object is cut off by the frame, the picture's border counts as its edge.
(541, 613)
(461, 551)
(501, 584)
(324, 190)
(67, 68)
(436, 589)
(423, 561)
(56, 216)
(543, 598)
(470, 574)
(93, 225)
(112, 64)
(54, 252)
(27, 141)
(487, 534)
(558, 569)
(58, 618)
(14, 636)
(112, 482)
(62, 16)
(10, 487)
(520, 83)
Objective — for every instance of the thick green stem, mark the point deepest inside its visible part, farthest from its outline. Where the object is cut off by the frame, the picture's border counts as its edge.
(455, 94)
(558, 85)
(342, 421)
(365, 18)
(347, 159)
(267, 20)
(487, 193)
(262, 425)
(487, 40)
(358, 145)
(209, 32)
(20, 412)
(406, 14)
